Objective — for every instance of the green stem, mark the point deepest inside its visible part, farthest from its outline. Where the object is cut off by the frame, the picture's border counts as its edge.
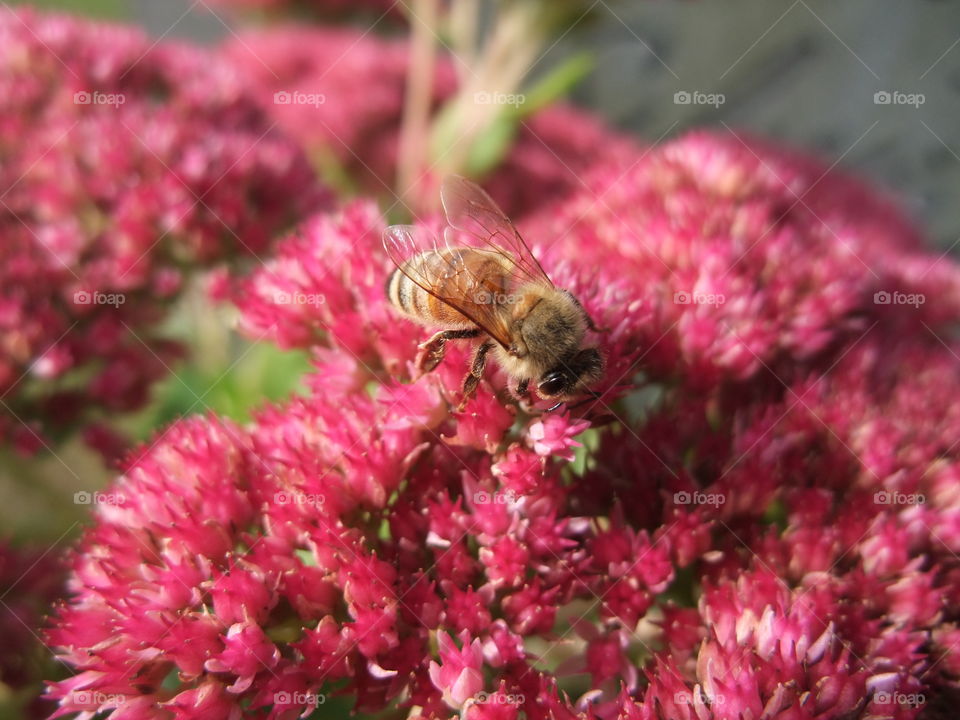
(419, 97)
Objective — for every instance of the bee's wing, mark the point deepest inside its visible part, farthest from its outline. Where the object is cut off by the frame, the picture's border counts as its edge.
(450, 281)
(469, 209)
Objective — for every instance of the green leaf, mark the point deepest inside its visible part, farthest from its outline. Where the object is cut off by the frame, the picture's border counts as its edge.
(260, 373)
(306, 557)
(492, 146)
(589, 441)
(776, 514)
(556, 83)
(494, 142)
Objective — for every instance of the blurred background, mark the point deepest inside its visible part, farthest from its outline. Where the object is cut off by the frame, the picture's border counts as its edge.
(805, 72)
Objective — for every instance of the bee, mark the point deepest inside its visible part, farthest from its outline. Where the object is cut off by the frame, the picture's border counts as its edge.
(482, 283)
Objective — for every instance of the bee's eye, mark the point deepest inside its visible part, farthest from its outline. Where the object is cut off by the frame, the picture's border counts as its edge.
(551, 384)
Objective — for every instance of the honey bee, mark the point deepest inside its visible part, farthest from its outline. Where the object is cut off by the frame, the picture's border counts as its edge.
(482, 283)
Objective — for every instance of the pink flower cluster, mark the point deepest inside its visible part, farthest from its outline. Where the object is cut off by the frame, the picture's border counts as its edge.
(125, 165)
(758, 518)
(341, 93)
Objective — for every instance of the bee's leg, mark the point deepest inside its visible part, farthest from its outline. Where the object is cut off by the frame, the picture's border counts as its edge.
(522, 388)
(476, 372)
(432, 351)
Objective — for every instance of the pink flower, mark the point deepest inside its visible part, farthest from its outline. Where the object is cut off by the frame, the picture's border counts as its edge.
(506, 561)
(459, 674)
(554, 436)
(247, 653)
(532, 609)
(299, 299)
(500, 705)
(208, 700)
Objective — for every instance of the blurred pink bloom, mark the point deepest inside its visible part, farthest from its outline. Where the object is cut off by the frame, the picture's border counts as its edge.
(127, 165)
(356, 81)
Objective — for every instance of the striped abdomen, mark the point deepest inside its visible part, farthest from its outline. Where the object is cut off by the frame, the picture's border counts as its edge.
(467, 276)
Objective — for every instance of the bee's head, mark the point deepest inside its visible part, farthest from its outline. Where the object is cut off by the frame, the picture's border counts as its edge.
(577, 372)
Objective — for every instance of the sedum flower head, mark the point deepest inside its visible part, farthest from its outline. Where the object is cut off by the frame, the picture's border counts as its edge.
(758, 520)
